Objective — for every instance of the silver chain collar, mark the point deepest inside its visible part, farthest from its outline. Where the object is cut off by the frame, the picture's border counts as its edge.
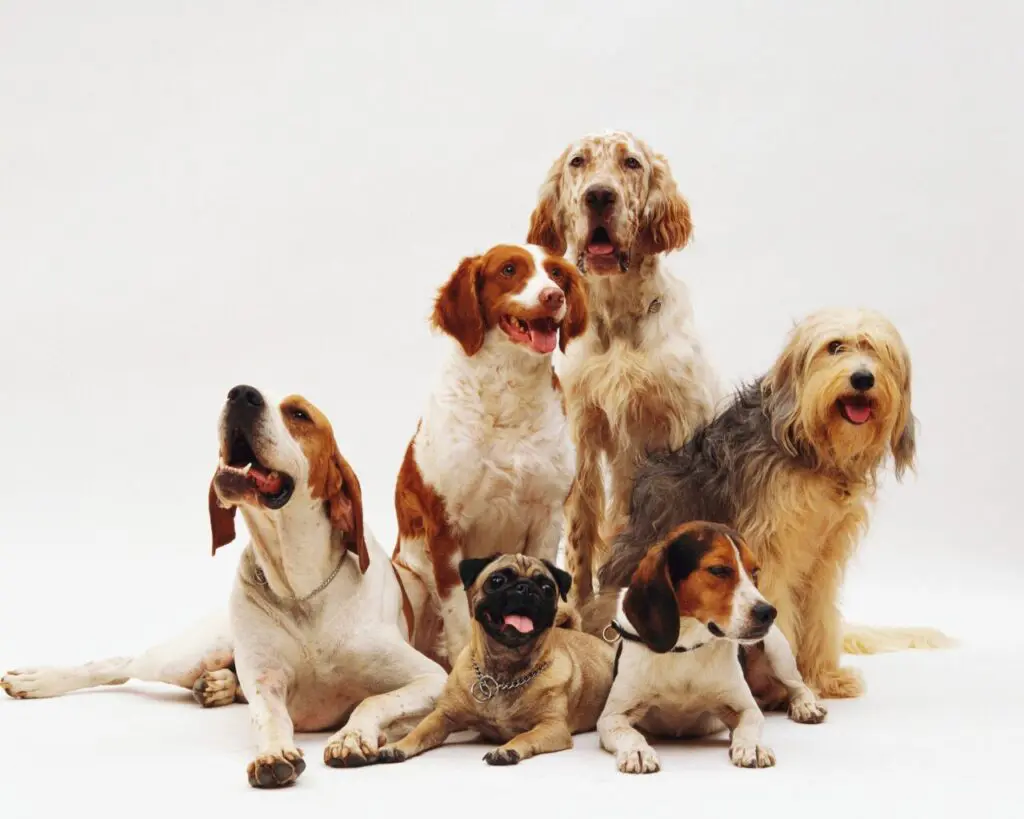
(487, 687)
(261, 578)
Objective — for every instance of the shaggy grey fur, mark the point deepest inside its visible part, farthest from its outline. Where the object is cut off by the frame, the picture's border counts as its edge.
(710, 478)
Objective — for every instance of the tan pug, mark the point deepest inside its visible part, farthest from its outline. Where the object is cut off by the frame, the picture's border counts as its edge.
(520, 681)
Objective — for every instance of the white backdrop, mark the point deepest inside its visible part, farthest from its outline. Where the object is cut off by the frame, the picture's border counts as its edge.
(200, 194)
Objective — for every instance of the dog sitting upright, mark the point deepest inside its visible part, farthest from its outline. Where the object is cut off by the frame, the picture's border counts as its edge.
(520, 681)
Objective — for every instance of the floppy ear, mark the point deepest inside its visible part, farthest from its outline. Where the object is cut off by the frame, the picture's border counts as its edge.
(470, 568)
(546, 227)
(665, 225)
(575, 322)
(222, 521)
(904, 437)
(650, 602)
(344, 499)
(562, 579)
(457, 309)
(781, 394)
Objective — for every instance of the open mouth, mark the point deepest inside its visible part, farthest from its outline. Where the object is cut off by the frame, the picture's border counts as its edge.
(857, 409)
(540, 335)
(600, 243)
(245, 472)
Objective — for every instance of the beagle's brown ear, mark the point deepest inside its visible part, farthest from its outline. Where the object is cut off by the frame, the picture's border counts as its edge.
(650, 602)
(222, 521)
(457, 310)
(344, 498)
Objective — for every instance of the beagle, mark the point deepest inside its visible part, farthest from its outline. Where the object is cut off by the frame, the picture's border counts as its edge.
(319, 624)
(687, 624)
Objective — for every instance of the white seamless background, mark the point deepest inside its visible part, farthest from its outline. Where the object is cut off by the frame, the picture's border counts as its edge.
(200, 194)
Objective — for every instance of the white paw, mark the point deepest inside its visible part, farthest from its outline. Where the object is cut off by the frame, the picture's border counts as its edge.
(215, 688)
(276, 770)
(639, 760)
(352, 748)
(807, 712)
(752, 756)
(35, 683)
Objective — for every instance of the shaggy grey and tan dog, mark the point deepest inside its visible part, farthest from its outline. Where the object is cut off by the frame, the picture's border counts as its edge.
(792, 464)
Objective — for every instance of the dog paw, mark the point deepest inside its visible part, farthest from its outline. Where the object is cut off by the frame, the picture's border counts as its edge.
(36, 683)
(214, 688)
(640, 760)
(841, 683)
(351, 749)
(502, 756)
(276, 770)
(389, 754)
(807, 712)
(751, 756)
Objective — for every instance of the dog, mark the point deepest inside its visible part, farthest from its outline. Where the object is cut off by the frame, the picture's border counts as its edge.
(318, 630)
(792, 463)
(686, 622)
(520, 681)
(638, 379)
(491, 463)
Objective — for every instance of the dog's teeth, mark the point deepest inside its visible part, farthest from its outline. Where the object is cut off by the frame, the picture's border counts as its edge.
(245, 471)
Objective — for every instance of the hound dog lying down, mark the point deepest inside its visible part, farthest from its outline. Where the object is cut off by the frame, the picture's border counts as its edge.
(320, 624)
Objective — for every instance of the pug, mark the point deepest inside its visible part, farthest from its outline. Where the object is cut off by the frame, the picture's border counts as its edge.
(521, 680)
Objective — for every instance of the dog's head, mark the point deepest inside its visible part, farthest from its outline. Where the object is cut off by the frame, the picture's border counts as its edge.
(840, 392)
(532, 299)
(514, 598)
(704, 571)
(277, 456)
(609, 197)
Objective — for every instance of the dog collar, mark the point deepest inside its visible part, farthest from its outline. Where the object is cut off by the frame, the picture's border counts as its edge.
(261, 578)
(486, 686)
(635, 638)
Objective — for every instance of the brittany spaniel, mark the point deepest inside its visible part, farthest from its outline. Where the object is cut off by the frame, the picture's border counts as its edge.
(637, 380)
(491, 463)
(319, 624)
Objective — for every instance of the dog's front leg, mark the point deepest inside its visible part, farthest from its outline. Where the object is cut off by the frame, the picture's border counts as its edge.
(803, 705)
(746, 722)
(446, 553)
(265, 683)
(546, 737)
(615, 727)
(429, 734)
(409, 683)
(584, 512)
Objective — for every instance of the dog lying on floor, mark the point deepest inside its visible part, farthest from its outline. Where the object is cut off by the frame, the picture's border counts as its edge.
(793, 465)
(686, 621)
(521, 681)
(319, 623)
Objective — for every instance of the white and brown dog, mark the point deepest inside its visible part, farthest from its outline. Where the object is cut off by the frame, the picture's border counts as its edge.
(491, 463)
(694, 629)
(637, 380)
(319, 625)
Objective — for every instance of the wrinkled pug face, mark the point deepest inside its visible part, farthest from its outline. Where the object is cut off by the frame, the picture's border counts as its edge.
(514, 597)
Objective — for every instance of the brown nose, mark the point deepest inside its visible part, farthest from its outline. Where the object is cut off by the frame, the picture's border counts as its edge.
(552, 298)
(599, 198)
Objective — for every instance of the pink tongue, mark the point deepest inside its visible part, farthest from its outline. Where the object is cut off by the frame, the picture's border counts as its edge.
(524, 625)
(543, 341)
(267, 484)
(858, 413)
(600, 249)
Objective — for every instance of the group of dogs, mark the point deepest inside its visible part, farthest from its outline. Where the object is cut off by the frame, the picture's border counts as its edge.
(717, 532)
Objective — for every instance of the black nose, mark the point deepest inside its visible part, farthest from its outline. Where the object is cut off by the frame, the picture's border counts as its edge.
(862, 380)
(763, 613)
(600, 198)
(243, 394)
(524, 587)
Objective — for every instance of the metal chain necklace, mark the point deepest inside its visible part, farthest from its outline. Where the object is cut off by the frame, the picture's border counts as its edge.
(487, 687)
(261, 578)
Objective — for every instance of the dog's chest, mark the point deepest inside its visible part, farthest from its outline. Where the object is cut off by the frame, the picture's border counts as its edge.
(683, 687)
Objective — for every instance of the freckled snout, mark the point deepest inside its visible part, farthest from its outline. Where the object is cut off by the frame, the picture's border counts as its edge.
(600, 199)
(552, 298)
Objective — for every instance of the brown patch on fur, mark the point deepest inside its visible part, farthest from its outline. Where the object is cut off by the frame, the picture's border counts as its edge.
(222, 522)
(330, 476)
(407, 612)
(706, 596)
(556, 385)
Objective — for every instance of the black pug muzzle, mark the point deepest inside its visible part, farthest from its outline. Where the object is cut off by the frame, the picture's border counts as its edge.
(515, 610)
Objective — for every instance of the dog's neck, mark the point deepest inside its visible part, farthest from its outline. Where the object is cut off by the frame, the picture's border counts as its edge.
(502, 662)
(692, 632)
(617, 297)
(295, 547)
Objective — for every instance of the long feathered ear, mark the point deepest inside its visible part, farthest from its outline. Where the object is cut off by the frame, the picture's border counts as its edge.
(344, 499)
(470, 568)
(780, 391)
(665, 225)
(650, 602)
(904, 432)
(576, 317)
(457, 310)
(222, 521)
(546, 225)
(562, 579)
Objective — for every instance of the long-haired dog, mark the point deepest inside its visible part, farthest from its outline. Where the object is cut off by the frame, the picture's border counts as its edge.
(792, 464)
(636, 380)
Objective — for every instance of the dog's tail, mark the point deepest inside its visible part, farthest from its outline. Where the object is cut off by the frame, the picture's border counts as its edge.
(861, 639)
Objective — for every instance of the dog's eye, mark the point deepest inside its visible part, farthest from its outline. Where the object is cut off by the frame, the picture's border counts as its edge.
(299, 415)
(496, 581)
(508, 270)
(576, 161)
(547, 589)
(555, 273)
(633, 163)
(834, 347)
(720, 571)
